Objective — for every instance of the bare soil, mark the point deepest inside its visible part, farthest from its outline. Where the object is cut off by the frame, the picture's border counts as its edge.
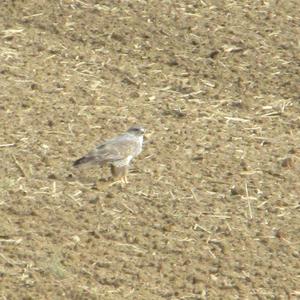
(212, 208)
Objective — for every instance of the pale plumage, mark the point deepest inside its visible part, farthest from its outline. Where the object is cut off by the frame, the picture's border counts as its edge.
(118, 152)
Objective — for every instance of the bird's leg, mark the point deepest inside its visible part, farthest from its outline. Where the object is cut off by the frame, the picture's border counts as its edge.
(115, 175)
(120, 173)
(125, 175)
(118, 181)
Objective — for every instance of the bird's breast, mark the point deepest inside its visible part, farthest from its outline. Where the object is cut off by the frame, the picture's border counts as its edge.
(122, 162)
(140, 146)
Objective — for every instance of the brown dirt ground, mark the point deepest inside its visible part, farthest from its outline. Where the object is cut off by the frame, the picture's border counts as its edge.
(212, 210)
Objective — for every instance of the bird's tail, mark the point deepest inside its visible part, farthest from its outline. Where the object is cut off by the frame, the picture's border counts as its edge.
(82, 160)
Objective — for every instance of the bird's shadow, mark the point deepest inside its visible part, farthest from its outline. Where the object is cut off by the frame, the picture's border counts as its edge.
(85, 179)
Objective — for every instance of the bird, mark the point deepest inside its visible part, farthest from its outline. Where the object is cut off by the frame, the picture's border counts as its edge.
(116, 152)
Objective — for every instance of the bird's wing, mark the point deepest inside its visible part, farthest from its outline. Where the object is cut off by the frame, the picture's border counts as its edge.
(115, 149)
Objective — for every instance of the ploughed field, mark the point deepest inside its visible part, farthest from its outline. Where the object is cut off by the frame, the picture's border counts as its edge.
(212, 207)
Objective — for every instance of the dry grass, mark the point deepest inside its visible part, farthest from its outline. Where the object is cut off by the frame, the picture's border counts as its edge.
(211, 209)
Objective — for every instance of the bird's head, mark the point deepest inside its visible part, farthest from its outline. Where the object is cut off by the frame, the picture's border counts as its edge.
(136, 130)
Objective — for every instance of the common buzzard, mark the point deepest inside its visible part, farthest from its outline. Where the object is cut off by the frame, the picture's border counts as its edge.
(117, 152)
